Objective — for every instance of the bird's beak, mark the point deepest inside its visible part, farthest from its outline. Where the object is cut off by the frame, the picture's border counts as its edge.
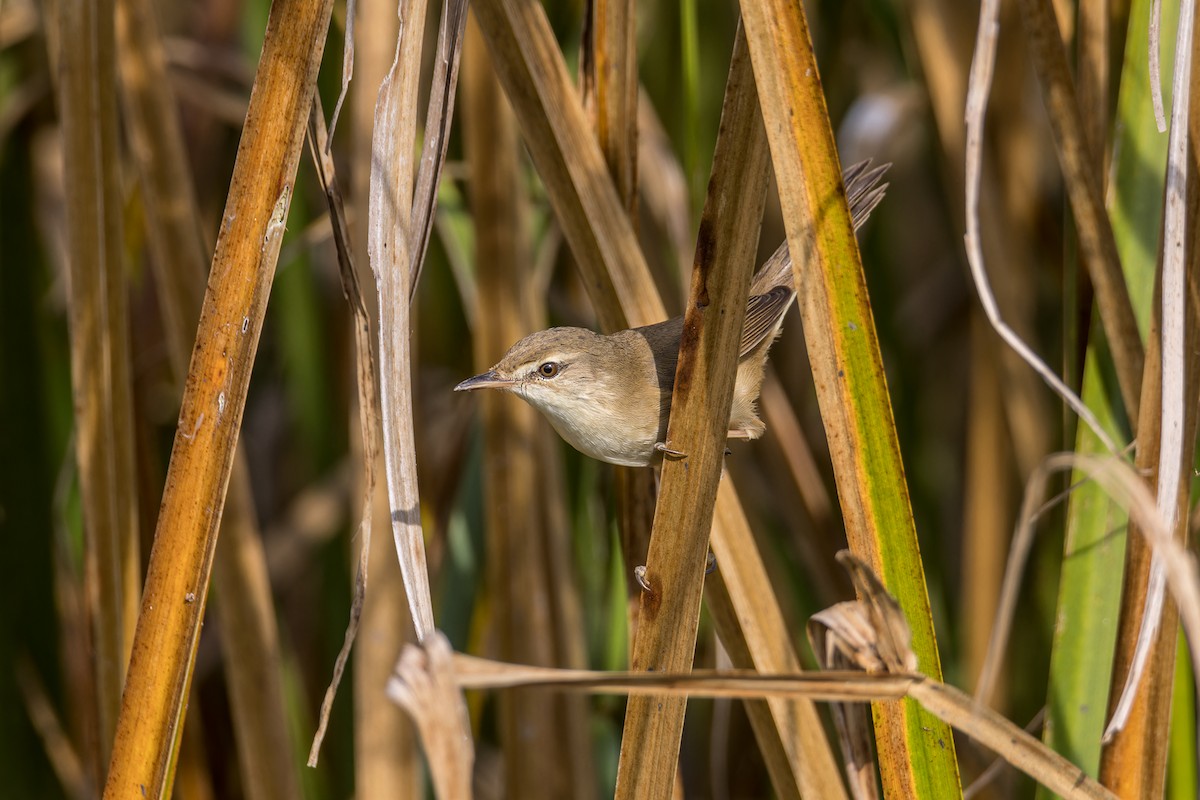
(487, 380)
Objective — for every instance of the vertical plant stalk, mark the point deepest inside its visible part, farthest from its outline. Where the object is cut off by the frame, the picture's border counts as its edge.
(615, 48)
(318, 145)
(614, 27)
(390, 248)
(214, 398)
(535, 755)
(248, 630)
(704, 377)
(100, 369)
(916, 750)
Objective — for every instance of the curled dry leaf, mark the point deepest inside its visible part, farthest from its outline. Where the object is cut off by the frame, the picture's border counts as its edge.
(870, 634)
(424, 685)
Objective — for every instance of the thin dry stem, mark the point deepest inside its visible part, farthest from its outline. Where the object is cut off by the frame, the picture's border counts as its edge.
(982, 68)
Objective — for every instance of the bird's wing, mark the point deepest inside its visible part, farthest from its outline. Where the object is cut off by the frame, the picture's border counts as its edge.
(763, 313)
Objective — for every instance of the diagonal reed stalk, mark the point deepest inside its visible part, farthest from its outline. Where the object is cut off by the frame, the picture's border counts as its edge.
(916, 752)
(708, 358)
(248, 630)
(214, 398)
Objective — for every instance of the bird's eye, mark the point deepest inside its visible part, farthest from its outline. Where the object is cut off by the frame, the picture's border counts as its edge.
(548, 370)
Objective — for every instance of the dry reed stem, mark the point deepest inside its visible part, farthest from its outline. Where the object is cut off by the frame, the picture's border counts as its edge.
(519, 573)
(98, 317)
(249, 636)
(214, 399)
(386, 750)
(1134, 760)
(391, 254)
(662, 187)
(1097, 245)
(250, 648)
(988, 489)
(704, 378)
(1171, 457)
(179, 254)
(60, 751)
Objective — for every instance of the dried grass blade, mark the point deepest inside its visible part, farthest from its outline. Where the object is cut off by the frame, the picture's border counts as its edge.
(844, 355)
(390, 246)
(318, 140)
(98, 319)
(614, 27)
(716, 309)
(231, 320)
(982, 68)
(437, 128)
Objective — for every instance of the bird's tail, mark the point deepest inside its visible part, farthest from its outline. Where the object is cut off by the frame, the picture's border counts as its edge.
(864, 190)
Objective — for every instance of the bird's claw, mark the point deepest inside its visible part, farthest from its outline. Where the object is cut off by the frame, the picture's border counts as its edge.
(669, 452)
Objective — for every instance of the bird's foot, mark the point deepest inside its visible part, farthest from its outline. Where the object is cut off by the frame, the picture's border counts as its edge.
(669, 452)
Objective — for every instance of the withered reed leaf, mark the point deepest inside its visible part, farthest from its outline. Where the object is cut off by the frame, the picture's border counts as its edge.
(424, 684)
(438, 117)
(391, 253)
(1097, 244)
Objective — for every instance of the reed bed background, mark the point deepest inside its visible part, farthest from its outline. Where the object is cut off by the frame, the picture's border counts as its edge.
(200, 313)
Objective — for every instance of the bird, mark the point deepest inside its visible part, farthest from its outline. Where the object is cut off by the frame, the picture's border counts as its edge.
(609, 395)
